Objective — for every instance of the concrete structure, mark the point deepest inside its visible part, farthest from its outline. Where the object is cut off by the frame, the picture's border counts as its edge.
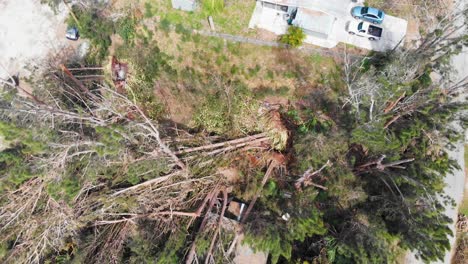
(185, 5)
(324, 22)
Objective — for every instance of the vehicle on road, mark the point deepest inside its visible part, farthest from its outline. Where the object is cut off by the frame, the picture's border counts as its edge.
(369, 14)
(364, 29)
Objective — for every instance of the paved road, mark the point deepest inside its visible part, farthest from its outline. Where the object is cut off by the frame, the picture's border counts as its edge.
(455, 183)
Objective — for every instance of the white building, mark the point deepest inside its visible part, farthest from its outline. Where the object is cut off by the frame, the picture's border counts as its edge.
(324, 22)
(276, 16)
(185, 5)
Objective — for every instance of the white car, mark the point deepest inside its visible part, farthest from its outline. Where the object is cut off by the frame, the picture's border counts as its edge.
(364, 29)
(72, 33)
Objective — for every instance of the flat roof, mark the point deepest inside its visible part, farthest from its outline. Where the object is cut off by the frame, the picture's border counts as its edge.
(332, 7)
(185, 5)
(314, 22)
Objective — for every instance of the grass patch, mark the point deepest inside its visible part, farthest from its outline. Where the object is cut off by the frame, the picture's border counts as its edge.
(95, 27)
(126, 28)
(232, 17)
(185, 74)
(264, 92)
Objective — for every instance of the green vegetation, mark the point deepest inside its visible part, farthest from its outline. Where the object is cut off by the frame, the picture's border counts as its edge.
(464, 204)
(232, 17)
(212, 6)
(126, 28)
(336, 169)
(294, 37)
(95, 27)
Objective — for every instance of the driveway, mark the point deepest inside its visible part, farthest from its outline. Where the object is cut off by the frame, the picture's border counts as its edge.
(339, 11)
(394, 31)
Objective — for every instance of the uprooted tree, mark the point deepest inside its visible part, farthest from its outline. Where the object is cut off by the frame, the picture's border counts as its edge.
(89, 175)
(84, 165)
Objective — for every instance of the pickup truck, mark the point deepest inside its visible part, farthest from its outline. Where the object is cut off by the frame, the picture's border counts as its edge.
(364, 29)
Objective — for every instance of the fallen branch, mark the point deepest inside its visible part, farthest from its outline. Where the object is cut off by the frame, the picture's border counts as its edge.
(74, 79)
(393, 104)
(306, 178)
(11, 81)
(378, 164)
(146, 183)
(394, 164)
(391, 121)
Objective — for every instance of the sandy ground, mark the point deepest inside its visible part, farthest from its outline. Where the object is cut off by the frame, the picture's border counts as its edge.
(29, 31)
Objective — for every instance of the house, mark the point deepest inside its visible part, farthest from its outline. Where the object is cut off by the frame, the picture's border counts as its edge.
(185, 5)
(323, 22)
(277, 15)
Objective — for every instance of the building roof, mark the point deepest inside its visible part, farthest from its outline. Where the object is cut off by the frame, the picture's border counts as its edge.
(185, 5)
(332, 7)
(315, 23)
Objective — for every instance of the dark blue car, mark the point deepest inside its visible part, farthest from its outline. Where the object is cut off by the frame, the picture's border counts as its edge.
(369, 14)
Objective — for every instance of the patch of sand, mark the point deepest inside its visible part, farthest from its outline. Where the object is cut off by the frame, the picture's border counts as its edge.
(245, 254)
(29, 31)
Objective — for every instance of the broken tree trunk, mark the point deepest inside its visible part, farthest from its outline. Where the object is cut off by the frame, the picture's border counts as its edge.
(377, 164)
(391, 121)
(74, 79)
(193, 248)
(221, 144)
(211, 197)
(146, 183)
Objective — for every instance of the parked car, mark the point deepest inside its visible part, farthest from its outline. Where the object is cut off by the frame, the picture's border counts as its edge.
(364, 29)
(72, 33)
(368, 14)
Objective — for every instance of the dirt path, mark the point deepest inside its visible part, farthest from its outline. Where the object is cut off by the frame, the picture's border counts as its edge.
(269, 43)
(29, 31)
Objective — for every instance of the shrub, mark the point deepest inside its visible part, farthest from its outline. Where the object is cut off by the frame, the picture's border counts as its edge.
(294, 37)
(165, 25)
(96, 28)
(126, 28)
(148, 10)
(213, 6)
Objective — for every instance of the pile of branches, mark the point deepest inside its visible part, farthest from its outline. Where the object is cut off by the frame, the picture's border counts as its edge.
(189, 192)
